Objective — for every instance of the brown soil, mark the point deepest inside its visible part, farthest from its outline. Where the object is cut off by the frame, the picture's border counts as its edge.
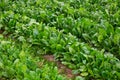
(62, 68)
(1, 31)
(2, 79)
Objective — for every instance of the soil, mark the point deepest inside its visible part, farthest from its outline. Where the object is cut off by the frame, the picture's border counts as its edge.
(61, 68)
(2, 79)
(1, 31)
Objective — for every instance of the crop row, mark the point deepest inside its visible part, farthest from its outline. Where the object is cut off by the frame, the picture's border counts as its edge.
(94, 23)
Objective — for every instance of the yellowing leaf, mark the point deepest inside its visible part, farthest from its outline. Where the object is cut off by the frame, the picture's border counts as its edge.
(84, 74)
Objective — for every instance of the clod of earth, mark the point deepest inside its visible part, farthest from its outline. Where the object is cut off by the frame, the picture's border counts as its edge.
(1, 31)
(62, 68)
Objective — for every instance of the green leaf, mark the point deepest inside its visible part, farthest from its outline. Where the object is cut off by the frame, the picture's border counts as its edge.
(118, 65)
(1, 36)
(118, 74)
(82, 68)
(59, 47)
(71, 50)
(1, 65)
(22, 54)
(100, 38)
(24, 68)
(84, 74)
(35, 32)
(102, 32)
(91, 72)
(116, 38)
(33, 21)
(79, 78)
(21, 38)
(75, 71)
